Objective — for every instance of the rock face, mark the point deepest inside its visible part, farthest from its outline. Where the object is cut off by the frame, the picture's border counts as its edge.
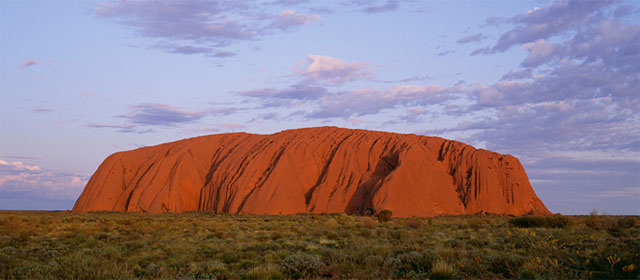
(317, 170)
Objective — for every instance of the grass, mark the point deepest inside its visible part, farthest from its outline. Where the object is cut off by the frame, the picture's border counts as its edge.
(50, 245)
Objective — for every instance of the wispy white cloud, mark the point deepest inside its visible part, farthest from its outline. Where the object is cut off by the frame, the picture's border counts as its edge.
(631, 192)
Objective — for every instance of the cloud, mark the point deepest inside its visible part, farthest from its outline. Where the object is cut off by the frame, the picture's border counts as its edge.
(161, 115)
(124, 128)
(375, 6)
(517, 75)
(28, 63)
(187, 50)
(187, 20)
(587, 125)
(143, 115)
(20, 180)
(290, 2)
(224, 54)
(218, 128)
(446, 52)
(332, 70)
(387, 6)
(296, 91)
(372, 101)
(199, 26)
(539, 52)
(554, 19)
(406, 80)
(289, 18)
(620, 193)
(569, 80)
(23, 157)
(321, 97)
(601, 58)
(42, 110)
(471, 38)
(623, 11)
(17, 165)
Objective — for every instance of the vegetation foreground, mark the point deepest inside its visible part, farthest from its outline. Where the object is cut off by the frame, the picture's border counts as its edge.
(49, 245)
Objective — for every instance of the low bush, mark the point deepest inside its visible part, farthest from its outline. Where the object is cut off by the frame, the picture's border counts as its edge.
(46, 245)
(627, 222)
(556, 221)
(414, 223)
(266, 272)
(384, 216)
(443, 270)
(301, 265)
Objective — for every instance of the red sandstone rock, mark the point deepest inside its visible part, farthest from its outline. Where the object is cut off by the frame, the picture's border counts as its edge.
(317, 170)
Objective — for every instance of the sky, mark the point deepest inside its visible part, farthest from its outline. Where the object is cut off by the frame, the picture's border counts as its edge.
(554, 83)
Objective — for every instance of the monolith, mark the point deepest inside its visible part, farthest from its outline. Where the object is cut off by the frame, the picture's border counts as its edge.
(315, 170)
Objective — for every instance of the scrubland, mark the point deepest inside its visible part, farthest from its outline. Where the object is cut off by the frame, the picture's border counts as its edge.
(55, 245)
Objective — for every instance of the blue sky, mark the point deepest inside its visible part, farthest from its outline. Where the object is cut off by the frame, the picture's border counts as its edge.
(554, 83)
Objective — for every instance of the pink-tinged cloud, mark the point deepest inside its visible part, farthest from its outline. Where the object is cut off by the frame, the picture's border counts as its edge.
(539, 52)
(28, 63)
(20, 180)
(17, 165)
(289, 19)
(333, 71)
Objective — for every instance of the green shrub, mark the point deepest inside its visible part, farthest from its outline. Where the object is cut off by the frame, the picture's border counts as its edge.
(301, 265)
(384, 216)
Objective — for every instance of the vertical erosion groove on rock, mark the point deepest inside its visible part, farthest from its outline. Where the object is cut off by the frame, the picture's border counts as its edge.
(316, 170)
